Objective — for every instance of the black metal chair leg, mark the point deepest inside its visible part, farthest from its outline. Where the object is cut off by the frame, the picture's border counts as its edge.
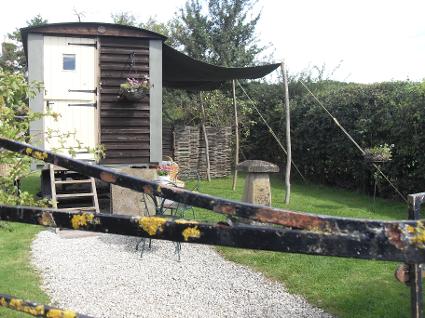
(178, 250)
(143, 242)
(143, 247)
(138, 244)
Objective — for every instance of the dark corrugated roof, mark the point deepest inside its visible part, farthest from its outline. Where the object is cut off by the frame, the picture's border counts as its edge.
(89, 29)
(92, 28)
(178, 69)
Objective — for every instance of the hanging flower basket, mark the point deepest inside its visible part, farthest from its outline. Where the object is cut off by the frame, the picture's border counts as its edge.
(134, 90)
(132, 96)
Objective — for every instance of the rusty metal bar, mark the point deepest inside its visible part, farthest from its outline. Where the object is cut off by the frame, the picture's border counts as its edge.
(306, 221)
(378, 245)
(35, 309)
(415, 271)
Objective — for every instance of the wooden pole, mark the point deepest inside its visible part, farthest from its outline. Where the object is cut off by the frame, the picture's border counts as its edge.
(204, 129)
(235, 175)
(288, 135)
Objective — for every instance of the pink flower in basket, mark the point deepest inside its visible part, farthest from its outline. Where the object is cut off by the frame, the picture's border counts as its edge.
(168, 169)
(133, 85)
(164, 170)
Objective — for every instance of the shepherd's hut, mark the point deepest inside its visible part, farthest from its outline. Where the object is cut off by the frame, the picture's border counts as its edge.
(83, 65)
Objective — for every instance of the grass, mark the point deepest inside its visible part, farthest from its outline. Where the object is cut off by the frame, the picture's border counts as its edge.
(343, 287)
(17, 277)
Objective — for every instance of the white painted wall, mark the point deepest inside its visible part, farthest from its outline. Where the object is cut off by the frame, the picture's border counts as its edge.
(155, 75)
(35, 73)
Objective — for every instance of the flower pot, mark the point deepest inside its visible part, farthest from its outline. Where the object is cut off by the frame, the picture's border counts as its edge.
(132, 96)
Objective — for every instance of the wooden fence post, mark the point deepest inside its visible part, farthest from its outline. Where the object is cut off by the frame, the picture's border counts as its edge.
(204, 129)
(288, 136)
(235, 175)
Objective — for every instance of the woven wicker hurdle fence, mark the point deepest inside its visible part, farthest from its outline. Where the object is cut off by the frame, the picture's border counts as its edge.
(186, 145)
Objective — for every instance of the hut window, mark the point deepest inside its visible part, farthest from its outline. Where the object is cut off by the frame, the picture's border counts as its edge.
(69, 62)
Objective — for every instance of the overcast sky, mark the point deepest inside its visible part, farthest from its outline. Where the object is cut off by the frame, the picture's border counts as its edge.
(371, 40)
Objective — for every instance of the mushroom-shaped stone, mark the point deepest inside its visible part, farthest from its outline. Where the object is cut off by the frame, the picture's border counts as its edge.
(257, 183)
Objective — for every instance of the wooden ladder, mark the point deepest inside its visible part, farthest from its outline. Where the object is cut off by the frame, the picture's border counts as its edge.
(69, 180)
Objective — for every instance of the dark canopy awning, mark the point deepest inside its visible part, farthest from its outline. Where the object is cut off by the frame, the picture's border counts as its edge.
(182, 71)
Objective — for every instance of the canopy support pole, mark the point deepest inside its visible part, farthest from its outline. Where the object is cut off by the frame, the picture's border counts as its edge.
(207, 148)
(288, 136)
(235, 175)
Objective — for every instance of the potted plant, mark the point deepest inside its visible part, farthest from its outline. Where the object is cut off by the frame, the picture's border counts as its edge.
(378, 154)
(134, 89)
(163, 173)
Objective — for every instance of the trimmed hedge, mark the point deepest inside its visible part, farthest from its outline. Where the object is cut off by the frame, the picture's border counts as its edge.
(375, 114)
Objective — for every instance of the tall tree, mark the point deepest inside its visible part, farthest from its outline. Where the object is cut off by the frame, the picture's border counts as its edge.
(218, 31)
(190, 29)
(159, 27)
(13, 58)
(124, 18)
(233, 32)
(37, 20)
(155, 26)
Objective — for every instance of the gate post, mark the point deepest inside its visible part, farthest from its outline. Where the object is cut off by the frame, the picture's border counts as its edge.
(415, 270)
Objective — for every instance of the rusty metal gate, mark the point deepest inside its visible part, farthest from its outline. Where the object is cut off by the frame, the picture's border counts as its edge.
(281, 231)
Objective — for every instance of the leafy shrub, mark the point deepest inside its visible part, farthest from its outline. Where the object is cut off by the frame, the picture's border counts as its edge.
(15, 120)
(375, 114)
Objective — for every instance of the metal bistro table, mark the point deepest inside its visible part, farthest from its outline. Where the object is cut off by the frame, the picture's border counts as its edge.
(157, 206)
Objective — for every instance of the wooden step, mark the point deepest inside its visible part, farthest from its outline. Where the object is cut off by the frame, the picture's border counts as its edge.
(65, 173)
(74, 195)
(73, 181)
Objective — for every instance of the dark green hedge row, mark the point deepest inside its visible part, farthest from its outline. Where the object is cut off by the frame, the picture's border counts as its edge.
(392, 113)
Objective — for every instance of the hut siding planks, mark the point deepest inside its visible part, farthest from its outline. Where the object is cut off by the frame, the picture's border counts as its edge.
(124, 125)
(187, 146)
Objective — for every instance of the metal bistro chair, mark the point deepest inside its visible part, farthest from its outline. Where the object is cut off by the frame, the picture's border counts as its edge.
(154, 208)
(150, 209)
(152, 204)
(161, 206)
(178, 209)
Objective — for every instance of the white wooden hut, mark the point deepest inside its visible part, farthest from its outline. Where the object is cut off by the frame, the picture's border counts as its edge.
(82, 66)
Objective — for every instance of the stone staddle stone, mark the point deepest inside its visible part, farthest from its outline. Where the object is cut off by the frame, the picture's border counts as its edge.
(128, 202)
(257, 183)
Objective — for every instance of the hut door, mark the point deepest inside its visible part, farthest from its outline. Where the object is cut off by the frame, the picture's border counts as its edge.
(70, 91)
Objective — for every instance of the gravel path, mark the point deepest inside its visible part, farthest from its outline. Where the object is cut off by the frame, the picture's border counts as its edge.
(104, 276)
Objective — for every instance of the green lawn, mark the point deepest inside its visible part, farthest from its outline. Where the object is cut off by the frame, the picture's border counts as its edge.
(344, 287)
(16, 274)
